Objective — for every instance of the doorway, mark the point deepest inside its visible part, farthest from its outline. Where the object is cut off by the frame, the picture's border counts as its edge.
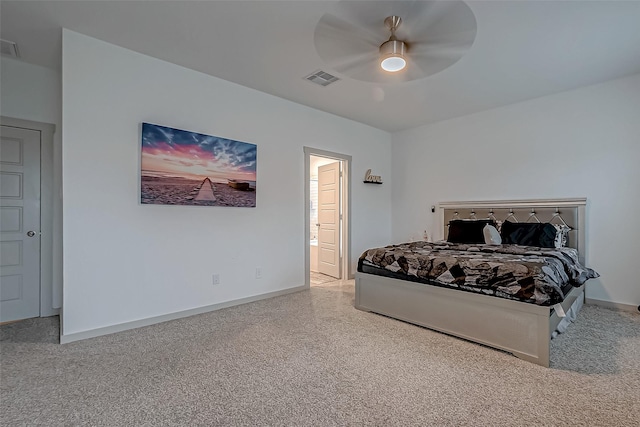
(327, 243)
(26, 219)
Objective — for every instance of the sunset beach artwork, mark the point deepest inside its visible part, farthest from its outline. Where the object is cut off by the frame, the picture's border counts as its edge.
(188, 168)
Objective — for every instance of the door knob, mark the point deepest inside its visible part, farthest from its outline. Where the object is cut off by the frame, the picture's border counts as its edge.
(31, 233)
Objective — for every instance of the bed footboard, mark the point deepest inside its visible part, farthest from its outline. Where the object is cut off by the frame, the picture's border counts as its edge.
(516, 327)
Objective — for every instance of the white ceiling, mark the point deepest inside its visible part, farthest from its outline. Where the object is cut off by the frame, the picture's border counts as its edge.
(523, 50)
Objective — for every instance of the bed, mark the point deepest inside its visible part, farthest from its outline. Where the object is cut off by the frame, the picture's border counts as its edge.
(521, 328)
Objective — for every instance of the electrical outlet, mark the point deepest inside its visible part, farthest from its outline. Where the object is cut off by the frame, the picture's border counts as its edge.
(216, 279)
(258, 273)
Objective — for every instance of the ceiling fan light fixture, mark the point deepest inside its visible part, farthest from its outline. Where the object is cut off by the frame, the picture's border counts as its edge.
(392, 55)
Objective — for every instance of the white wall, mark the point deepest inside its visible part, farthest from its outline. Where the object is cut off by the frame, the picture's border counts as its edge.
(584, 142)
(31, 92)
(124, 261)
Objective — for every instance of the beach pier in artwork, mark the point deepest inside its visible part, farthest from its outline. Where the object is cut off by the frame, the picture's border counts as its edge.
(205, 193)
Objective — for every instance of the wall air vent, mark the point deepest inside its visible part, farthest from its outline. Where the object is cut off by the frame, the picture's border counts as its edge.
(322, 78)
(9, 48)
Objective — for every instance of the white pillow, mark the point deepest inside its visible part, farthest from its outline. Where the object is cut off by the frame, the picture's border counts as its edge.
(562, 233)
(491, 235)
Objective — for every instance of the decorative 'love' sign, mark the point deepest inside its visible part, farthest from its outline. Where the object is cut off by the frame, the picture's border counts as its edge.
(372, 179)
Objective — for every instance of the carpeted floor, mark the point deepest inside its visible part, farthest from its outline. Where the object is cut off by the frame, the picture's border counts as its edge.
(310, 358)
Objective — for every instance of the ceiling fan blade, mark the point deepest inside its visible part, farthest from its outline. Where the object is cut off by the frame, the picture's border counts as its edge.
(442, 21)
(343, 46)
(424, 14)
(353, 63)
(340, 30)
(435, 55)
(460, 38)
(371, 14)
(451, 49)
(432, 63)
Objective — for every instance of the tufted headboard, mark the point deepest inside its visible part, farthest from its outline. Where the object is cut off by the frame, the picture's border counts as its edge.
(557, 211)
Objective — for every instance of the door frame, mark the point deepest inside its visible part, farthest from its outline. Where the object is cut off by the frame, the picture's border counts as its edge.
(345, 202)
(46, 207)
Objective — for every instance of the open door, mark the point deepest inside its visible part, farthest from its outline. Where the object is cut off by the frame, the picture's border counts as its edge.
(329, 219)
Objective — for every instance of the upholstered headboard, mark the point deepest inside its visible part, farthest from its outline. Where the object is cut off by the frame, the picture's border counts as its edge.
(570, 212)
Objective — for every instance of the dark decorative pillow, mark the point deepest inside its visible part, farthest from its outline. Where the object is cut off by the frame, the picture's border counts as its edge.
(542, 235)
(467, 231)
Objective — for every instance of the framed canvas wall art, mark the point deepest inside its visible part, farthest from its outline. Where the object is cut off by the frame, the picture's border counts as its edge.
(180, 167)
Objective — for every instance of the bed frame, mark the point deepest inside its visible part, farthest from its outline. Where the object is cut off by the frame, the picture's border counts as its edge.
(516, 327)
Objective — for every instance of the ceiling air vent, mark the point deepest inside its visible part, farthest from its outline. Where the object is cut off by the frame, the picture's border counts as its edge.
(322, 78)
(9, 48)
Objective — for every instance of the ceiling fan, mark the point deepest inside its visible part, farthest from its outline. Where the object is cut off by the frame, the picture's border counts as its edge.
(387, 41)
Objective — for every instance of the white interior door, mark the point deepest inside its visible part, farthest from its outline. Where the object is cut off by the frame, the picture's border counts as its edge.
(329, 219)
(19, 223)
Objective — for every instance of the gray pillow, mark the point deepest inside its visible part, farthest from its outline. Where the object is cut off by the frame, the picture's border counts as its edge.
(491, 235)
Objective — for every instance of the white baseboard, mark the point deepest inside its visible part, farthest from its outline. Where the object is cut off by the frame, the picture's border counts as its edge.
(50, 312)
(92, 333)
(613, 305)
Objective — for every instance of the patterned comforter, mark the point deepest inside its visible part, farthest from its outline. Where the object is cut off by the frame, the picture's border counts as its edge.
(529, 274)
